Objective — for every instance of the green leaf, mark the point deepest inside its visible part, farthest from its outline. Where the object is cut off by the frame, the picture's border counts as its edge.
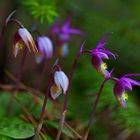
(5, 138)
(15, 128)
(44, 11)
(47, 138)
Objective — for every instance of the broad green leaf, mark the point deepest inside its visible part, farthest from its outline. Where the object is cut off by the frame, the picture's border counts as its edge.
(5, 138)
(16, 128)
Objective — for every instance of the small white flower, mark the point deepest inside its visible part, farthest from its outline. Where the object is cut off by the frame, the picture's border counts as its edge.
(21, 38)
(45, 47)
(60, 84)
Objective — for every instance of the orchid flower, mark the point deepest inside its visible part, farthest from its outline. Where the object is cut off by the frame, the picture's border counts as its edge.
(98, 54)
(45, 47)
(123, 84)
(62, 35)
(60, 84)
(21, 38)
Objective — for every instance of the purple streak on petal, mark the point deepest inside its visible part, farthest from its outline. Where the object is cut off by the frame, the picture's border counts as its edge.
(101, 45)
(75, 31)
(109, 53)
(126, 83)
(81, 49)
(102, 40)
(133, 82)
(111, 72)
(127, 75)
(66, 24)
(103, 55)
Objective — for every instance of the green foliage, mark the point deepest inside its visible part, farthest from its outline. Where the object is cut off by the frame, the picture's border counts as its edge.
(44, 10)
(15, 128)
(5, 138)
(52, 124)
(83, 95)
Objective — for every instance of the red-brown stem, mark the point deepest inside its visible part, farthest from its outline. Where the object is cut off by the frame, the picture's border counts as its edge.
(22, 63)
(42, 114)
(64, 109)
(1, 35)
(94, 109)
(17, 22)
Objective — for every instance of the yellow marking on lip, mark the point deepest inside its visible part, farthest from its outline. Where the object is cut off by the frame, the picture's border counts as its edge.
(20, 45)
(104, 66)
(55, 89)
(125, 96)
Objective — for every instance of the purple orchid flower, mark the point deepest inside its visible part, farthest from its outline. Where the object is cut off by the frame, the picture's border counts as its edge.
(45, 47)
(65, 31)
(123, 84)
(98, 54)
(62, 35)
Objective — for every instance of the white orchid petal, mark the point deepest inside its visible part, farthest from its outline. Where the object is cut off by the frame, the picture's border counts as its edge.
(27, 39)
(24, 34)
(45, 46)
(54, 95)
(61, 80)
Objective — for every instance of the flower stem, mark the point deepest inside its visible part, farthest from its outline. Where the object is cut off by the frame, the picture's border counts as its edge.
(42, 114)
(64, 109)
(22, 63)
(40, 79)
(94, 109)
(1, 35)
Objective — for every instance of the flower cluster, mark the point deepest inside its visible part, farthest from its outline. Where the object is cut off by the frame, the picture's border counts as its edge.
(59, 83)
(122, 84)
(44, 48)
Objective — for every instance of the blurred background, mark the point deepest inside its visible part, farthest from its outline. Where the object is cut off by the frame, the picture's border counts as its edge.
(95, 18)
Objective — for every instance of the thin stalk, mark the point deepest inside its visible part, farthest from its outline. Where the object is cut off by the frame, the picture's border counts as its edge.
(19, 72)
(64, 109)
(42, 114)
(40, 79)
(94, 109)
(22, 63)
(17, 22)
(1, 35)
(4, 27)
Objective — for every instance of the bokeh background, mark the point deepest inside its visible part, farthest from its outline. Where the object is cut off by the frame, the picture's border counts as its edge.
(95, 18)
